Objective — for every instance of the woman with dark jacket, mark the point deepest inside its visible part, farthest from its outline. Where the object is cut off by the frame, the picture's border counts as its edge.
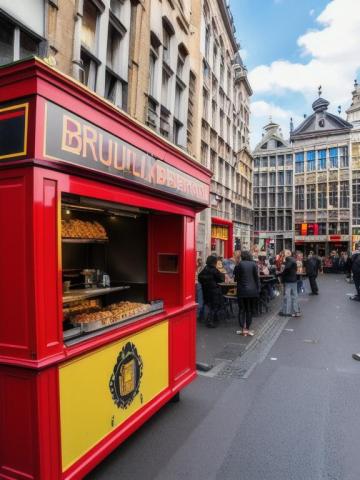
(209, 278)
(248, 288)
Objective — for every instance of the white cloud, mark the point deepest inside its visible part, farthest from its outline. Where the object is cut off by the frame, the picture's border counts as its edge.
(244, 54)
(331, 55)
(261, 111)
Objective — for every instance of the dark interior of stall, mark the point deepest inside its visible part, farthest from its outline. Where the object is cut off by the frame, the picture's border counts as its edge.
(104, 264)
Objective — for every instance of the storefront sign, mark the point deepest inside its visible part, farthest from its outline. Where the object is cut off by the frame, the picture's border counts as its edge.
(13, 131)
(311, 238)
(71, 139)
(220, 232)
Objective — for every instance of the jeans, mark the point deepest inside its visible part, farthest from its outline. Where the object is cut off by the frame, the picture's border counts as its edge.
(290, 304)
(200, 301)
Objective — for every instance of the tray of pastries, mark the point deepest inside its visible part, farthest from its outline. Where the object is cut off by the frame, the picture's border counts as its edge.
(84, 306)
(114, 313)
(82, 229)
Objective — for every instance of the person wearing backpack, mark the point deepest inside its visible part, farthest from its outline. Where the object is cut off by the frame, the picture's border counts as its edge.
(355, 268)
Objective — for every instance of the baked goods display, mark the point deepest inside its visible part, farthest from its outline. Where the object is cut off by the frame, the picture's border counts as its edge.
(84, 306)
(75, 228)
(113, 313)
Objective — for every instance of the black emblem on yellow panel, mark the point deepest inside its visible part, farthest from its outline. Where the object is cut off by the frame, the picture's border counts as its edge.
(125, 379)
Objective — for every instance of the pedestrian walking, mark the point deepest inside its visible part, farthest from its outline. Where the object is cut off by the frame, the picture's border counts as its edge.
(355, 268)
(290, 306)
(312, 266)
(248, 289)
(209, 278)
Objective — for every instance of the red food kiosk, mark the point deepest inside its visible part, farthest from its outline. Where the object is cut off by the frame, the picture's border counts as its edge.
(97, 222)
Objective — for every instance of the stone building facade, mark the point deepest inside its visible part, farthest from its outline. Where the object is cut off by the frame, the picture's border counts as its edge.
(353, 116)
(225, 113)
(273, 191)
(173, 65)
(321, 146)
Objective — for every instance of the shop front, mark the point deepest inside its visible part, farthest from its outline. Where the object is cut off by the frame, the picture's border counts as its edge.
(97, 332)
(322, 245)
(222, 237)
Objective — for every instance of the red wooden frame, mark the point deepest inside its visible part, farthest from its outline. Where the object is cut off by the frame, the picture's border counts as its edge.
(31, 338)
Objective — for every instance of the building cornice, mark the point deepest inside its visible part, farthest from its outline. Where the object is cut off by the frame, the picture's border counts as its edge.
(228, 24)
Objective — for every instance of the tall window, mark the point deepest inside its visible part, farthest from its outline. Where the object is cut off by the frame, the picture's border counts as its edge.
(333, 228)
(154, 55)
(289, 177)
(280, 161)
(299, 162)
(88, 54)
(15, 43)
(280, 178)
(166, 44)
(280, 202)
(310, 157)
(344, 194)
(263, 179)
(271, 198)
(165, 88)
(344, 157)
(288, 221)
(333, 154)
(207, 42)
(272, 221)
(280, 223)
(333, 194)
(289, 199)
(299, 197)
(322, 228)
(311, 197)
(115, 86)
(264, 162)
(272, 161)
(344, 228)
(289, 160)
(321, 159)
(205, 104)
(89, 25)
(322, 195)
(272, 179)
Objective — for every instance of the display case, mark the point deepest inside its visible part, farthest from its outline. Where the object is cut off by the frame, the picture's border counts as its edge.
(97, 215)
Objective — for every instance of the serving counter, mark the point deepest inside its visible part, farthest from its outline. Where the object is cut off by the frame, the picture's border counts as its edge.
(97, 221)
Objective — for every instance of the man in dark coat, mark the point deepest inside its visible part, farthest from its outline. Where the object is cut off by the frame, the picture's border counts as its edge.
(209, 278)
(313, 265)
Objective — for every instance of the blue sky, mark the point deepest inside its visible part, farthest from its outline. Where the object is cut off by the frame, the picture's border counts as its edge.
(290, 47)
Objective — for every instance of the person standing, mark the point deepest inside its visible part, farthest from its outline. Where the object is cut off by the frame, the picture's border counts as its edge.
(312, 266)
(209, 278)
(355, 268)
(248, 288)
(290, 306)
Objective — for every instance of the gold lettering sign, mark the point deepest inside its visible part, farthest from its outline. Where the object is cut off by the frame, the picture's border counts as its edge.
(69, 138)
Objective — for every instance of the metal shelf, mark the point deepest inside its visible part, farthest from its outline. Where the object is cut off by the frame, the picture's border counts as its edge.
(82, 293)
(85, 240)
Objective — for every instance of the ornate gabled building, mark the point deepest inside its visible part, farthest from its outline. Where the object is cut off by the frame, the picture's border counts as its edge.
(273, 191)
(353, 116)
(321, 146)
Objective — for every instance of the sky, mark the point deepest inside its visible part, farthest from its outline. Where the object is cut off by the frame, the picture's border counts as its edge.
(290, 47)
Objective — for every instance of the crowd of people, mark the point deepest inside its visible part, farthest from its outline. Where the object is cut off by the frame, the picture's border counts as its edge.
(252, 279)
(247, 277)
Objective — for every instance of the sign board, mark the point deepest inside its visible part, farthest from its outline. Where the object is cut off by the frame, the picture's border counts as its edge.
(13, 131)
(71, 139)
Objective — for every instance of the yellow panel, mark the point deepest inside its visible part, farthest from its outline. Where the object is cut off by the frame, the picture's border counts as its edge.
(102, 389)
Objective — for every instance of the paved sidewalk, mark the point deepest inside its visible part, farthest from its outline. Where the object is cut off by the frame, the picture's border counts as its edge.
(214, 345)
